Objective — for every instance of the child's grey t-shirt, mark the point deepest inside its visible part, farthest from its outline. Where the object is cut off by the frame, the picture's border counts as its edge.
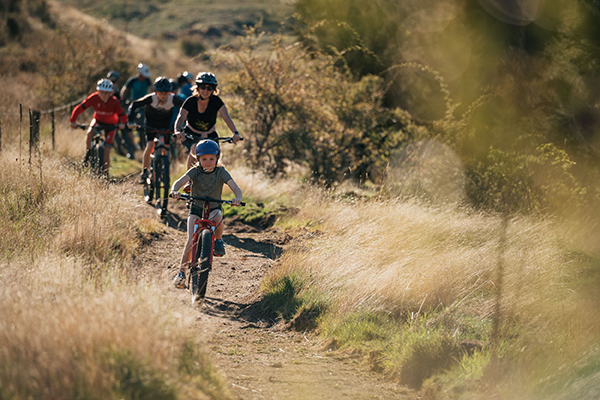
(208, 184)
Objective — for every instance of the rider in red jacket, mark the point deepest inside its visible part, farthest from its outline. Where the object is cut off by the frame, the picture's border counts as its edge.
(107, 111)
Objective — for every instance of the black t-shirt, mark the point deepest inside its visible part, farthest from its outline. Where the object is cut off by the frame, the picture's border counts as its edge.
(158, 115)
(202, 121)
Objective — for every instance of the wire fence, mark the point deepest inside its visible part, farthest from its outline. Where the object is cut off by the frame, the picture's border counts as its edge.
(35, 117)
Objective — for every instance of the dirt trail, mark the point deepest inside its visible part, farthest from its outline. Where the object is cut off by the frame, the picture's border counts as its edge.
(259, 358)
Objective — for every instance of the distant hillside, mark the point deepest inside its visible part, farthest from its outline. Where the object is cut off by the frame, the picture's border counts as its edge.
(194, 25)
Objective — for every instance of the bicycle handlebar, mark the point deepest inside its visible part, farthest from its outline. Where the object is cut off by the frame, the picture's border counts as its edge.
(149, 129)
(219, 139)
(99, 126)
(189, 197)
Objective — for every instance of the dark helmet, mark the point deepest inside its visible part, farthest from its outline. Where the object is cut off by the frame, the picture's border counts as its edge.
(207, 146)
(206, 77)
(162, 84)
(113, 76)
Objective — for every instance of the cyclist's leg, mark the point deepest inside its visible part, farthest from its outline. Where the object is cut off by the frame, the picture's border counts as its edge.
(90, 134)
(217, 217)
(191, 157)
(148, 150)
(108, 144)
(186, 258)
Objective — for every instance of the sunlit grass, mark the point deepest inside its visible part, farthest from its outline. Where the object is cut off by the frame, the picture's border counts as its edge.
(77, 320)
(413, 285)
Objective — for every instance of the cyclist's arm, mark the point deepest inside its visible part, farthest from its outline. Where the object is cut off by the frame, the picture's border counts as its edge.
(77, 111)
(137, 104)
(178, 184)
(224, 112)
(181, 117)
(236, 191)
(124, 92)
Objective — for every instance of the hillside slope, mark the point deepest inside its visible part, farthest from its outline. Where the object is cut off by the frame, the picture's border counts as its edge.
(206, 24)
(166, 59)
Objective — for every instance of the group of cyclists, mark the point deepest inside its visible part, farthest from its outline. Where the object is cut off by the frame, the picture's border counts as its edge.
(190, 107)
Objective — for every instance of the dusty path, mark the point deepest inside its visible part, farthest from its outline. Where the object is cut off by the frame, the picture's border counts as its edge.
(259, 358)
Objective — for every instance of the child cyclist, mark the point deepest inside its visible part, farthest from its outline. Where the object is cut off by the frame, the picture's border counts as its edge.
(207, 179)
(107, 110)
(159, 108)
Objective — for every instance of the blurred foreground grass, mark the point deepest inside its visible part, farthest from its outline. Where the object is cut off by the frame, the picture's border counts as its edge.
(78, 320)
(415, 290)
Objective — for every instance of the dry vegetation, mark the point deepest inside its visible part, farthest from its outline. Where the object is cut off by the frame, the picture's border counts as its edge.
(414, 288)
(78, 321)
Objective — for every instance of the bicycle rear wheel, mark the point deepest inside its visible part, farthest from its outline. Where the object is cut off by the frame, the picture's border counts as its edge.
(203, 266)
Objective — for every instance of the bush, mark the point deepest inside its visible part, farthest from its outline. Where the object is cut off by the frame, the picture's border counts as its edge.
(303, 108)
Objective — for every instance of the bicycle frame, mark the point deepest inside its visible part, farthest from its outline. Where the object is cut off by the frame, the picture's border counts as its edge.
(159, 177)
(199, 225)
(201, 254)
(98, 144)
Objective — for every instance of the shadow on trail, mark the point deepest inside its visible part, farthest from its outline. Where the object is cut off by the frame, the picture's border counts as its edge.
(254, 313)
(268, 250)
(173, 220)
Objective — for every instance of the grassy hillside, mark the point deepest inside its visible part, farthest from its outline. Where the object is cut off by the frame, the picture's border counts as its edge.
(195, 25)
(461, 304)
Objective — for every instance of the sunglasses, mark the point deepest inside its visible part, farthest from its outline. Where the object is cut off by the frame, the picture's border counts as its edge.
(206, 87)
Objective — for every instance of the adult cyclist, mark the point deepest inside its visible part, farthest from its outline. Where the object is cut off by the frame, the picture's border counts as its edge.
(159, 108)
(199, 113)
(136, 87)
(107, 111)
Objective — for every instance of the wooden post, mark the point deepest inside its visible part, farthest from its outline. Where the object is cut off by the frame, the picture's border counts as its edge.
(34, 130)
(0, 135)
(53, 130)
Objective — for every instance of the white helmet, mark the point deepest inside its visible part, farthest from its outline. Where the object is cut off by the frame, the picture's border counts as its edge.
(105, 85)
(143, 70)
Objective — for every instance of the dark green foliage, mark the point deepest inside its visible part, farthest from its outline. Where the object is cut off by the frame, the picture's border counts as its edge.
(302, 109)
(282, 296)
(513, 93)
(427, 358)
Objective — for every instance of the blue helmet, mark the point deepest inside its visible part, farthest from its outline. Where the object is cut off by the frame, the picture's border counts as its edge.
(207, 146)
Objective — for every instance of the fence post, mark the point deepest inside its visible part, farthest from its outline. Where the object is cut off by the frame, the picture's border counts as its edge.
(34, 130)
(0, 134)
(53, 129)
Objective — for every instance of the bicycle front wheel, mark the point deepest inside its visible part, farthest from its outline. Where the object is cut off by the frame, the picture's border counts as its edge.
(164, 183)
(97, 159)
(203, 266)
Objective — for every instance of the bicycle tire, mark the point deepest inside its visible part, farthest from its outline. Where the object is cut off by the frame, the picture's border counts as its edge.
(162, 196)
(93, 159)
(149, 185)
(203, 266)
(100, 149)
(97, 159)
(119, 144)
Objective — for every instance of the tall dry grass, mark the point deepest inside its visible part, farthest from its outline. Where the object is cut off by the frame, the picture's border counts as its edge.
(77, 322)
(435, 271)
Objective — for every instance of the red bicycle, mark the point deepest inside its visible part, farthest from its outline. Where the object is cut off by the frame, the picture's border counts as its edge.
(203, 243)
